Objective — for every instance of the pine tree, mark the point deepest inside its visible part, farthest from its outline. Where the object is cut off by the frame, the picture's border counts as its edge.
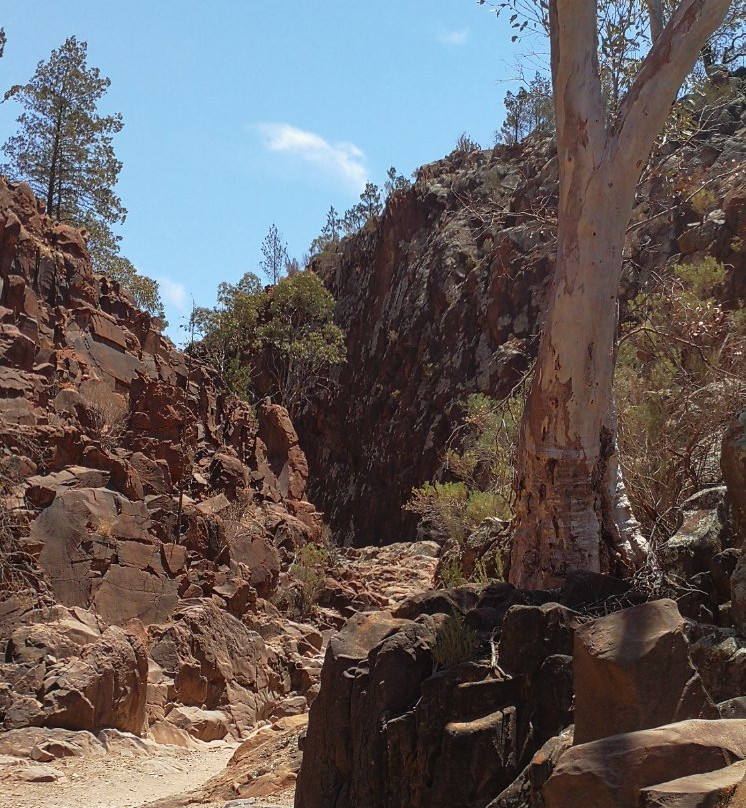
(527, 111)
(64, 151)
(369, 206)
(395, 182)
(64, 148)
(275, 252)
(329, 232)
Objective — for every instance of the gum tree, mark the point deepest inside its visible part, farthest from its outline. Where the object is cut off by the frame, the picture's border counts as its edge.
(571, 512)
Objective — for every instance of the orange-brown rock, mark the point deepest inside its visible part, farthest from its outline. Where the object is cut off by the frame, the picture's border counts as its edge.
(611, 772)
(632, 671)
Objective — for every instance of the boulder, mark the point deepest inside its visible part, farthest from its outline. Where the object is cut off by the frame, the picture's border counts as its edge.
(611, 772)
(738, 595)
(719, 655)
(285, 458)
(632, 671)
(691, 549)
(204, 725)
(708, 790)
(216, 662)
(532, 633)
(43, 743)
(722, 567)
(525, 790)
(105, 687)
(336, 737)
(97, 550)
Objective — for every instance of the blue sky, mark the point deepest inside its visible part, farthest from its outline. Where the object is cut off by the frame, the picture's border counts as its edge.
(241, 113)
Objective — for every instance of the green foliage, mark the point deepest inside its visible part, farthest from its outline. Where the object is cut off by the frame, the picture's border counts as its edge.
(700, 281)
(465, 145)
(144, 290)
(529, 110)
(483, 467)
(395, 182)
(360, 215)
(3, 41)
(455, 642)
(64, 147)
(275, 252)
(680, 374)
(451, 573)
(64, 150)
(330, 233)
(367, 209)
(309, 569)
(281, 342)
(727, 46)
(624, 37)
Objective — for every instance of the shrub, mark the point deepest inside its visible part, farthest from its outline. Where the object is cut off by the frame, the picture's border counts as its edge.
(483, 466)
(451, 573)
(281, 342)
(108, 412)
(681, 373)
(19, 570)
(455, 642)
(309, 568)
(465, 145)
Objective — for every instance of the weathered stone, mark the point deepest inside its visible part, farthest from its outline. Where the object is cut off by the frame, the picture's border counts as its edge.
(335, 735)
(738, 595)
(532, 633)
(217, 663)
(632, 671)
(23, 742)
(733, 465)
(694, 545)
(525, 790)
(719, 655)
(733, 708)
(105, 687)
(610, 772)
(204, 725)
(707, 790)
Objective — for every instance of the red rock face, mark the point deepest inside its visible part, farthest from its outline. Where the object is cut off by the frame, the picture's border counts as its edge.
(103, 424)
(442, 298)
(113, 420)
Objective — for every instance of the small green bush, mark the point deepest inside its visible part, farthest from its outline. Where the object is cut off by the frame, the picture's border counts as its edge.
(680, 374)
(455, 642)
(451, 574)
(309, 568)
(483, 467)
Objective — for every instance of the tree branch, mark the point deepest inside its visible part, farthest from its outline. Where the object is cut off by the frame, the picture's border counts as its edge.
(645, 108)
(655, 10)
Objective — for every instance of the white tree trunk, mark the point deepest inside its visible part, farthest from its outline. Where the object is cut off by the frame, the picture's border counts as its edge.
(571, 511)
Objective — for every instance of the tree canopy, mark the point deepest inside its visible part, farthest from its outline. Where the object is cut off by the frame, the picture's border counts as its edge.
(64, 147)
(64, 151)
(279, 342)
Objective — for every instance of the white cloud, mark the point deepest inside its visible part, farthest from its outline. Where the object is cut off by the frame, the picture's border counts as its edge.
(345, 162)
(174, 294)
(454, 37)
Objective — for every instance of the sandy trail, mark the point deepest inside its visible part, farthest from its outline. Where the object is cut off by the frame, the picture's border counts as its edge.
(116, 780)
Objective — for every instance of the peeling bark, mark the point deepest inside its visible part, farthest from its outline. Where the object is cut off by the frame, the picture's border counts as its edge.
(571, 510)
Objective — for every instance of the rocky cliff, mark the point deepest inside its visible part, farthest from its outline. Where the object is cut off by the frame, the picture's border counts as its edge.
(442, 295)
(146, 514)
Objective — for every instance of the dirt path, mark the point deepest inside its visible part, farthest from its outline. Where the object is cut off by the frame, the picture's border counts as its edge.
(116, 780)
